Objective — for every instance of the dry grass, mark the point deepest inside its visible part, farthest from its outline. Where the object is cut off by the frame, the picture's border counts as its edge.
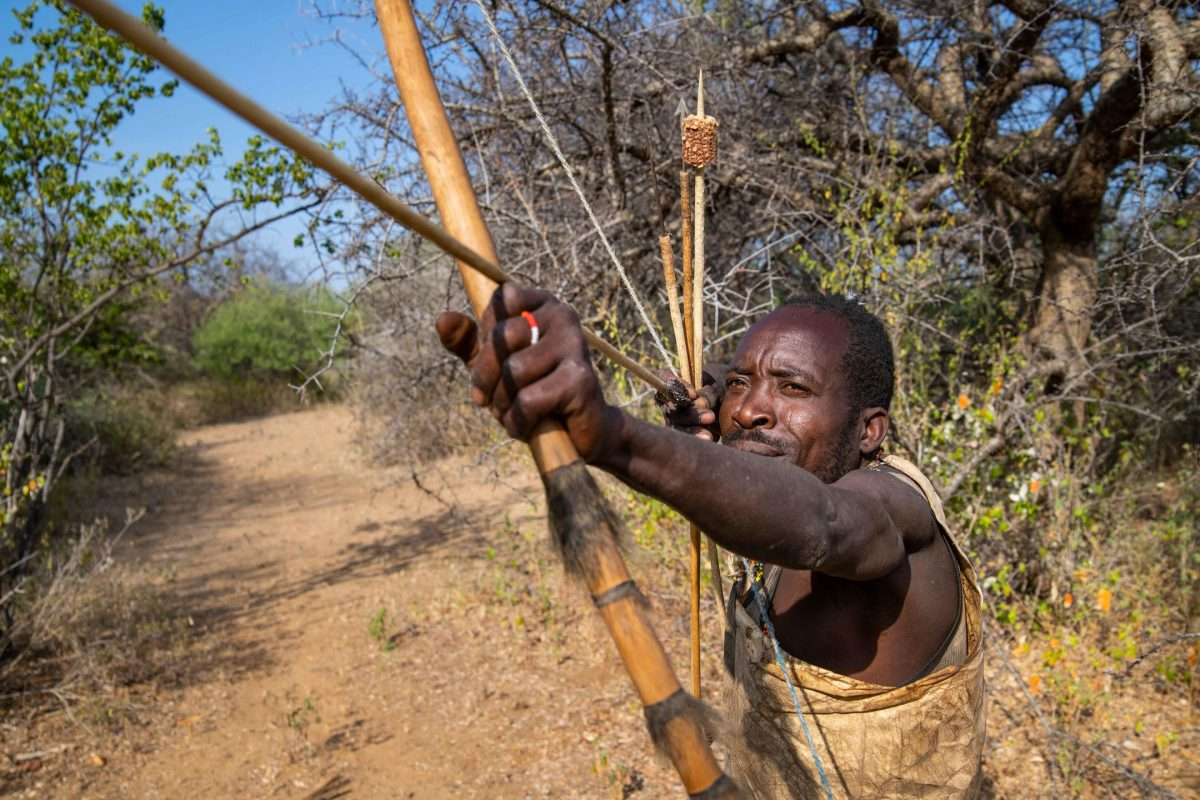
(86, 626)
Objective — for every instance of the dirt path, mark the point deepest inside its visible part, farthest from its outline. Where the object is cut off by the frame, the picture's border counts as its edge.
(353, 636)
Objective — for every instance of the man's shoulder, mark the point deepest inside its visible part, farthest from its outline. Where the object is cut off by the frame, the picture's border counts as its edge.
(907, 495)
(909, 474)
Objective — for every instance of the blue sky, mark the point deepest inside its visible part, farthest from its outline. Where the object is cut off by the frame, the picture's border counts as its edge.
(269, 49)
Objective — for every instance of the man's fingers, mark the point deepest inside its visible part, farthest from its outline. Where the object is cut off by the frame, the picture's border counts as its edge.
(459, 334)
(533, 404)
(508, 339)
(676, 398)
(509, 301)
(687, 410)
(683, 407)
(541, 399)
(522, 369)
(501, 352)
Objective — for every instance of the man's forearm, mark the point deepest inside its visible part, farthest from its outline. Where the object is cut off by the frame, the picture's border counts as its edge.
(762, 508)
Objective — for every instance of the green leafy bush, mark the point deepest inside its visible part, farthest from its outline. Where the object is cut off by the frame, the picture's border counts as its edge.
(268, 331)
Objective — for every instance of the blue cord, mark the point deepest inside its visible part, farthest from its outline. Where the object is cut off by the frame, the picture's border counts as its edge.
(759, 592)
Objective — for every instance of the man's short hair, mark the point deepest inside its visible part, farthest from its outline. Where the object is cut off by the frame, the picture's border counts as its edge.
(869, 364)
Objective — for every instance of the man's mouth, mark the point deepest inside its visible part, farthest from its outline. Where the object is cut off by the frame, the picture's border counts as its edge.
(751, 443)
(757, 449)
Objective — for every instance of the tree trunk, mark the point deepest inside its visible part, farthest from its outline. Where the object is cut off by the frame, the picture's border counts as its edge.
(1066, 294)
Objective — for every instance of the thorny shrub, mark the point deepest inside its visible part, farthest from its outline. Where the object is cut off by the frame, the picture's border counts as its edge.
(408, 392)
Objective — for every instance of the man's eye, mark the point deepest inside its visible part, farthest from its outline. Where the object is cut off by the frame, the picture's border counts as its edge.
(735, 383)
(796, 388)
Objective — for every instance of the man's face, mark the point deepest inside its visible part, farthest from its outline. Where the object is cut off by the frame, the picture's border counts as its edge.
(786, 394)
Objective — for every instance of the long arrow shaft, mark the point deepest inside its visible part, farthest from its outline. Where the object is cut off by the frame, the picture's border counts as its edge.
(150, 42)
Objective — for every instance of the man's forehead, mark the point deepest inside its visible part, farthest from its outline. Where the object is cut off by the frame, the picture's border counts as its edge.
(812, 337)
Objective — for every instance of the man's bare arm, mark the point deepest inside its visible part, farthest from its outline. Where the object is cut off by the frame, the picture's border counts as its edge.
(859, 528)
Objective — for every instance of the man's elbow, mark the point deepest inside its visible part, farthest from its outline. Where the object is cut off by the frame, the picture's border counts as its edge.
(864, 559)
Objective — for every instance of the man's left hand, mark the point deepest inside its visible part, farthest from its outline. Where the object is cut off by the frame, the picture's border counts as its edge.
(524, 384)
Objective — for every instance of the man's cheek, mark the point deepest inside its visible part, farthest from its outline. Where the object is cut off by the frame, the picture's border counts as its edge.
(800, 445)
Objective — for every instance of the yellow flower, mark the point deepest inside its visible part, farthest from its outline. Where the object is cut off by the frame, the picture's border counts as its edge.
(963, 401)
(997, 385)
(1068, 600)
(1035, 683)
(1035, 486)
(1104, 600)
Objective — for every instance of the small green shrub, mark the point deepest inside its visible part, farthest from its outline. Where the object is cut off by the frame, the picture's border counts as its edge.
(377, 629)
(267, 331)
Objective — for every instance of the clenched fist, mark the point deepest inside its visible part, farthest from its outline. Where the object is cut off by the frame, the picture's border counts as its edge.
(524, 383)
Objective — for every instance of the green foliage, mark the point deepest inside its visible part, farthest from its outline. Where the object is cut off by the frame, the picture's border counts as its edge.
(113, 342)
(303, 715)
(377, 629)
(268, 331)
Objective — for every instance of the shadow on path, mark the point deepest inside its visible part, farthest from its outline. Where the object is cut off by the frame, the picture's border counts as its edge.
(239, 547)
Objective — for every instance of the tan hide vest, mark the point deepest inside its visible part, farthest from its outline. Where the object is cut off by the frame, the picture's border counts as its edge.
(921, 740)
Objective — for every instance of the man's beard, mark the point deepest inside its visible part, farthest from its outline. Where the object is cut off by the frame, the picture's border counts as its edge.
(843, 458)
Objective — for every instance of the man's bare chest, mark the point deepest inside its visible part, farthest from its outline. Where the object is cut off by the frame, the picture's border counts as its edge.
(882, 631)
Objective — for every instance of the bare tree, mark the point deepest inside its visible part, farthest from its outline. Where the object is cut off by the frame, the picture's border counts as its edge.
(994, 177)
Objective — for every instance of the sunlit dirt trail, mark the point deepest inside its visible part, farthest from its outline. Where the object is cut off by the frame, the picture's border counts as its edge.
(353, 635)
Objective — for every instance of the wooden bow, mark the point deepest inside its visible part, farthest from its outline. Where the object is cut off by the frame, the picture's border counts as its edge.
(580, 519)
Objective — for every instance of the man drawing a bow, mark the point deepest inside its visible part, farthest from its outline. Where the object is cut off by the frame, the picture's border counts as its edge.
(855, 573)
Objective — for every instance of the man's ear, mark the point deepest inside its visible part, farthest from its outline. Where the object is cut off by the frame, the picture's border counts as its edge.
(875, 423)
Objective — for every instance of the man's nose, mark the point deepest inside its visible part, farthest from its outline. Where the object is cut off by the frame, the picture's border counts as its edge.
(755, 411)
